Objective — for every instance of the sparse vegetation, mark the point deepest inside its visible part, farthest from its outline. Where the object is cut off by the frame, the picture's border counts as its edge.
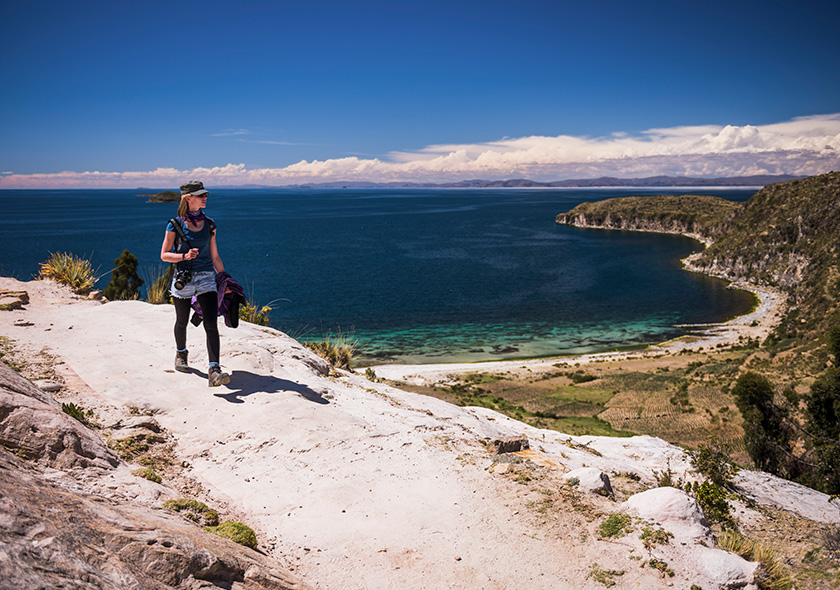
(236, 532)
(654, 536)
(70, 270)
(7, 355)
(147, 473)
(194, 510)
(603, 576)
(616, 524)
(667, 478)
(662, 566)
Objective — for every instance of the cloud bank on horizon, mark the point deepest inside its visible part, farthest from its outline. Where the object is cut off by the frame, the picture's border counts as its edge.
(802, 146)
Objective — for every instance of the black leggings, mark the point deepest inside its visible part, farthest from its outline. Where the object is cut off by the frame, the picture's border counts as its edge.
(209, 303)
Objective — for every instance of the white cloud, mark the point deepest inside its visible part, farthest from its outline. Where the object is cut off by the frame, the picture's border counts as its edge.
(801, 146)
(231, 132)
(271, 142)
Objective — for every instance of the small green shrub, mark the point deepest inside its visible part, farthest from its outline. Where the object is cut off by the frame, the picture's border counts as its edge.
(194, 510)
(580, 377)
(236, 532)
(70, 270)
(616, 524)
(77, 412)
(714, 503)
(148, 473)
(712, 460)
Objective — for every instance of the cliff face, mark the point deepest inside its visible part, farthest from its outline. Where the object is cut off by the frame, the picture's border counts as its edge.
(785, 236)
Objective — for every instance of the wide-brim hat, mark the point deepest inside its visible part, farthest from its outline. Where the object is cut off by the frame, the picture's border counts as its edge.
(193, 188)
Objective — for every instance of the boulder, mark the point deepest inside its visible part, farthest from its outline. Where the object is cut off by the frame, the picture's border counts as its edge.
(673, 509)
(509, 444)
(10, 300)
(591, 479)
(723, 569)
(33, 426)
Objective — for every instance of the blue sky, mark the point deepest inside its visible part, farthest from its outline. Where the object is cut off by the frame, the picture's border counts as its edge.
(278, 92)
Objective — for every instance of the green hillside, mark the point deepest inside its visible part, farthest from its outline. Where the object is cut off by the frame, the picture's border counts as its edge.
(787, 236)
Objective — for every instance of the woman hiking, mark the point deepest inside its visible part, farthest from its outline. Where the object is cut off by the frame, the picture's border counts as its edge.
(197, 262)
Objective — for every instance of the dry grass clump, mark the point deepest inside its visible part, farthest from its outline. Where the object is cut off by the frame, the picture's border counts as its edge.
(158, 280)
(336, 350)
(772, 574)
(69, 269)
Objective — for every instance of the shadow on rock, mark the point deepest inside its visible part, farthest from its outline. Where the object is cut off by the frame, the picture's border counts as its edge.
(244, 383)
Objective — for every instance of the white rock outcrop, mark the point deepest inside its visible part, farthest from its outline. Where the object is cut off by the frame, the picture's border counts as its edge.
(676, 511)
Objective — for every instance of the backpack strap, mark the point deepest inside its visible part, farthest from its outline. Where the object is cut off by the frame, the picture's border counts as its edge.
(179, 232)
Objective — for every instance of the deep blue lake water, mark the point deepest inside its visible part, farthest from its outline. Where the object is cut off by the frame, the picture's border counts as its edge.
(416, 275)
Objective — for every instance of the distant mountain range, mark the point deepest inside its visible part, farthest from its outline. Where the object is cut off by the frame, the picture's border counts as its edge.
(604, 181)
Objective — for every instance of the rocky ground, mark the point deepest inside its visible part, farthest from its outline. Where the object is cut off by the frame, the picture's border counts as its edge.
(348, 483)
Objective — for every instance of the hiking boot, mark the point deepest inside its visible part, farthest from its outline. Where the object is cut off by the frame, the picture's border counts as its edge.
(181, 362)
(216, 377)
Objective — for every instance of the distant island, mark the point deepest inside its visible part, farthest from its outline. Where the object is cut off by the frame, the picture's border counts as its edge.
(162, 197)
(601, 182)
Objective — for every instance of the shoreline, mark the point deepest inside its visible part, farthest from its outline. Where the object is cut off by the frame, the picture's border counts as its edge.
(757, 324)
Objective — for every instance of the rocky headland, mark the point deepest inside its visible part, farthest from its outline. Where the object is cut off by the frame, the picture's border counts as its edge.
(784, 238)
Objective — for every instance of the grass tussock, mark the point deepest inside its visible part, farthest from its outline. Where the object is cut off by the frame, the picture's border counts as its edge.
(772, 574)
(339, 350)
(69, 269)
(157, 279)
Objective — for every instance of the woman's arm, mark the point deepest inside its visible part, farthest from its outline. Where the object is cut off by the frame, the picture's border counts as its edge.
(214, 254)
(165, 250)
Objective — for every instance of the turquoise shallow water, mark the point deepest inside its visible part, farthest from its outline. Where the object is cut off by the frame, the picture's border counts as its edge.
(415, 275)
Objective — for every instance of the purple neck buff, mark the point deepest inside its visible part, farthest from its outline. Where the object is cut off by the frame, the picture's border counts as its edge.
(195, 216)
